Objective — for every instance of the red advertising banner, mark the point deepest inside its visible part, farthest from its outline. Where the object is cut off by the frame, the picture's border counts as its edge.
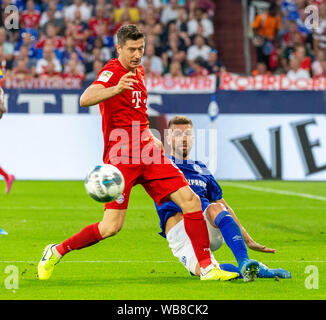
(231, 81)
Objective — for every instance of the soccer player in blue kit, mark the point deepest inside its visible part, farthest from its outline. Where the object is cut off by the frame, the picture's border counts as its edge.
(222, 223)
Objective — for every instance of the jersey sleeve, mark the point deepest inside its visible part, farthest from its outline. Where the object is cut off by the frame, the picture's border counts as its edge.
(106, 78)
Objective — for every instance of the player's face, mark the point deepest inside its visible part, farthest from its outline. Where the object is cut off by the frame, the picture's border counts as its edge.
(131, 53)
(181, 139)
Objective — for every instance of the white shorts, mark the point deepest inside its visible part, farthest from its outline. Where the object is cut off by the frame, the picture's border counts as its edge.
(181, 246)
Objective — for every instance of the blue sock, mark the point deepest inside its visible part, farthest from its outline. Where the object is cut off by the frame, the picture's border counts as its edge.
(232, 236)
(231, 268)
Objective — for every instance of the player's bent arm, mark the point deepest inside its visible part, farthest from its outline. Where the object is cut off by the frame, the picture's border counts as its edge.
(95, 94)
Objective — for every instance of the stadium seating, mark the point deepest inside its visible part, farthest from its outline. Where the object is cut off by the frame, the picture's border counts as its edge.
(85, 31)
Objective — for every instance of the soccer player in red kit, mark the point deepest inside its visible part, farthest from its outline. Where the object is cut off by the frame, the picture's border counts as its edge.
(129, 145)
(9, 178)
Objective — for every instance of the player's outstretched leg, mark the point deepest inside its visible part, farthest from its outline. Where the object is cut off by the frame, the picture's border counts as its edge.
(110, 225)
(53, 253)
(233, 238)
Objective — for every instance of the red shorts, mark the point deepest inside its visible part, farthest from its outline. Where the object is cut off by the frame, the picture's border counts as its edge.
(158, 179)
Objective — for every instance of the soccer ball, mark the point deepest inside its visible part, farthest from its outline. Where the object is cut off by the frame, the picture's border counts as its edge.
(104, 183)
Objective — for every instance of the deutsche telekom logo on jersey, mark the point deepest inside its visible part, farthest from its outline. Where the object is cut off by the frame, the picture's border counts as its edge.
(136, 98)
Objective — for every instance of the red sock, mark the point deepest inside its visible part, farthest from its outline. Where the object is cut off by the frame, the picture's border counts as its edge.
(196, 229)
(4, 174)
(85, 238)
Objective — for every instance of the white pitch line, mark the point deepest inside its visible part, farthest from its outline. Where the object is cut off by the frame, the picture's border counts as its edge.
(269, 190)
(96, 261)
(44, 208)
(120, 261)
(172, 261)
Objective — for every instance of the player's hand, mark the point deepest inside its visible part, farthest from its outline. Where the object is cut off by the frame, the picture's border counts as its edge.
(126, 82)
(258, 247)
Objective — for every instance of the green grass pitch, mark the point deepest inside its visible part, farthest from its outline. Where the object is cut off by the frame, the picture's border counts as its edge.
(137, 263)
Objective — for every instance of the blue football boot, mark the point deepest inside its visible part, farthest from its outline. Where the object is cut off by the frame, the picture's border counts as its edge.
(249, 269)
(265, 272)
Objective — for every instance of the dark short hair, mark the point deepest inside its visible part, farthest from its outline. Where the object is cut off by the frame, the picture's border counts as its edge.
(129, 32)
(200, 61)
(179, 120)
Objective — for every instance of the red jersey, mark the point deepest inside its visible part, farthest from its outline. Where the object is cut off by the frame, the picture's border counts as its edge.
(30, 20)
(124, 111)
(58, 42)
(95, 22)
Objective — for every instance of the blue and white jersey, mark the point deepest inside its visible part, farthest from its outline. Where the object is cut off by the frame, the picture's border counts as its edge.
(201, 181)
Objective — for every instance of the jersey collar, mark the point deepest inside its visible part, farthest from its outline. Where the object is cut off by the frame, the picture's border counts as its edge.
(189, 161)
